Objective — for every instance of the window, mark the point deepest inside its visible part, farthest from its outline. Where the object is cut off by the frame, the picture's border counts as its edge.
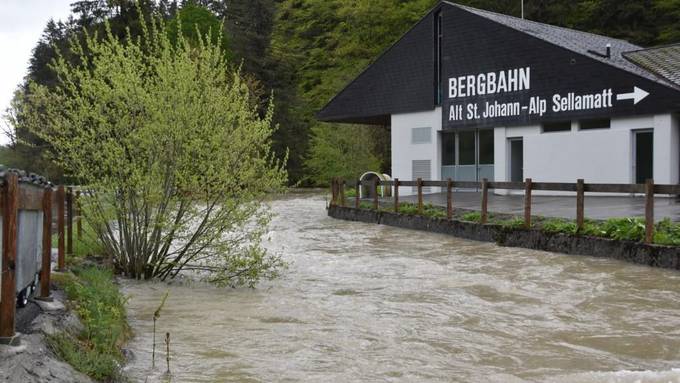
(448, 149)
(421, 135)
(595, 123)
(466, 148)
(486, 147)
(562, 126)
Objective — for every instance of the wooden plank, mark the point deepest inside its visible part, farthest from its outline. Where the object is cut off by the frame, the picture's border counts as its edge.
(357, 196)
(79, 216)
(375, 193)
(667, 189)
(61, 258)
(527, 203)
(485, 201)
(419, 182)
(615, 188)
(439, 184)
(580, 197)
(467, 185)
(554, 186)
(649, 211)
(408, 183)
(69, 221)
(46, 244)
(396, 195)
(343, 201)
(449, 199)
(30, 197)
(9, 254)
(507, 185)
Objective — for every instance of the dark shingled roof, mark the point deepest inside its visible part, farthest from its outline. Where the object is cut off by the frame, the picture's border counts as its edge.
(583, 42)
(664, 61)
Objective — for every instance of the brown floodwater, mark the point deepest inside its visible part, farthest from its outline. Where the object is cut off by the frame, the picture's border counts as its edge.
(362, 302)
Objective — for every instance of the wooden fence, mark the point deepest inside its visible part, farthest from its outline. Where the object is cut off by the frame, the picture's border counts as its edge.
(649, 189)
(16, 197)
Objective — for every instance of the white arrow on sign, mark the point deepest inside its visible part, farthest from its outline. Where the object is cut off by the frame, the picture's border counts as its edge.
(637, 95)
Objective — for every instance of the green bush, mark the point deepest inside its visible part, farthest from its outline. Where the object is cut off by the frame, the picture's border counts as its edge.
(667, 233)
(432, 211)
(366, 205)
(512, 224)
(473, 216)
(558, 225)
(350, 192)
(626, 229)
(101, 308)
(408, 208)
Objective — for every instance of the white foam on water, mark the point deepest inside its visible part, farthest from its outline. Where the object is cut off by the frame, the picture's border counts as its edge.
(623, 376)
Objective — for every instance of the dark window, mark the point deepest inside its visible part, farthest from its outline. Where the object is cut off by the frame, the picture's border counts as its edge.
(562, 126)
(438, 57)
(486, 147)
(448, 149)
(599, 123)
(466, 148)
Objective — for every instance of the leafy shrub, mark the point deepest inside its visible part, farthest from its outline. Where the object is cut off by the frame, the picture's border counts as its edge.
(366, 205)
(626, 229)
(432, 211)
(512, 224)
(408, 208)
(667, 233)
(558, 225)
(473, 216)
(101, 308)
(350, 192)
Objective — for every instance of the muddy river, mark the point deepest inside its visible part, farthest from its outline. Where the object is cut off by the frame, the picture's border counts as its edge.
(362, 302)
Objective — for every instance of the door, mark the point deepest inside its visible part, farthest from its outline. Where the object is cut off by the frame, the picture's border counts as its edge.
(644, 155)
(468, 155)
(516, 160)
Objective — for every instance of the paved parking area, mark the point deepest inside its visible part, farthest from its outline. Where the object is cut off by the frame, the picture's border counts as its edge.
(596, 207)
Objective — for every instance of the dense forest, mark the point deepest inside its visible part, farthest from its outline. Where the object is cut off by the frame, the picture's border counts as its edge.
(301, 52)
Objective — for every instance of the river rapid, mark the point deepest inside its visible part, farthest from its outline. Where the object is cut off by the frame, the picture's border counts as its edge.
(370, 303)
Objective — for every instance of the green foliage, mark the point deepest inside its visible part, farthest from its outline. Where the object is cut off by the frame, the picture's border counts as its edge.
(558, 225)
(473, 216)
(408, 208)
(350, 192)
(195, 23)
(432, 211)
(366, 205)
(667, 233)
(340, 151)
(512, 223)
(101, 308)
(178, 160)
(628, 229)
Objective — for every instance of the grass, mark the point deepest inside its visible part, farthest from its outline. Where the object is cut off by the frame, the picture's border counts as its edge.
(96, 299)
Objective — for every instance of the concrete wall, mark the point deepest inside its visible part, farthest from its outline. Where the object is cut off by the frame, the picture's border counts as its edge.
(601, 155)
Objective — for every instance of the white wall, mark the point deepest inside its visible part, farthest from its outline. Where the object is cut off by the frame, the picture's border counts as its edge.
(404, 152)
(601, 155)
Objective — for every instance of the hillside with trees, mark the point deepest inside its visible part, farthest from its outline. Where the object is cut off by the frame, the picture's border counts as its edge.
(302, 52)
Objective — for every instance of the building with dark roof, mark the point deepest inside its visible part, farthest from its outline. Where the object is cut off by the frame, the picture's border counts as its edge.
(471, 94)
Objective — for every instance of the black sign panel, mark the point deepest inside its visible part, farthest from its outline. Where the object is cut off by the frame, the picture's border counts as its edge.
(494, 75)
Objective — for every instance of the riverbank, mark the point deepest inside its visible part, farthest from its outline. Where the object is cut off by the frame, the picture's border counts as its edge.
(512, 234)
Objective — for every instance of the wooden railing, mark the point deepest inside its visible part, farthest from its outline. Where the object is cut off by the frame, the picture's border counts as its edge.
(18, 196)
(649, 189)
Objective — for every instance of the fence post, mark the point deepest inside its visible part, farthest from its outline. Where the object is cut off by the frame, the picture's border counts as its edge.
(375, 193)
(485, 201)
(527, 203)
(449, 199)
(420, 195)
(649, 211)
(342, 192)
(580, 196)
(61, 259)
(79, 216)
(46, 245)
(357, 194)
(8, 298)
(69, 221)
(396, 195)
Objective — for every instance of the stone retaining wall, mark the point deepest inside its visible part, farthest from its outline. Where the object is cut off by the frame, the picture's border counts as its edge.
(635, 252)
